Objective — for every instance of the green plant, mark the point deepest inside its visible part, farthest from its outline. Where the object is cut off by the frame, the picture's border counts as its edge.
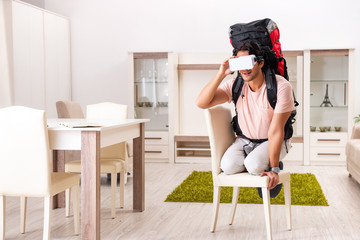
(357, 118)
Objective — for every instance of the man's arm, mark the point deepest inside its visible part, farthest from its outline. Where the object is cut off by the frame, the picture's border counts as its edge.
(276, 138)
(211, 95)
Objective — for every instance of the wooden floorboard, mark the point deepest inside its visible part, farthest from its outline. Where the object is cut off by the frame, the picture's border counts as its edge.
(161, 220)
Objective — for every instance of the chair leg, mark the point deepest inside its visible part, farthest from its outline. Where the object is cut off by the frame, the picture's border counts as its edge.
(2, 217)
(287, 195)
(23, 207)
(75, 197)
(67, 202)
(123, 177)
(235, 199)
(113, 192)
(47, 217)
(266, 202)
(216, 202)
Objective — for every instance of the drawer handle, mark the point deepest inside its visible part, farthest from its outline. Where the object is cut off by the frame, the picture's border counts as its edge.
(153, 138)
(329, 140)
(328, 154)
(153, 151)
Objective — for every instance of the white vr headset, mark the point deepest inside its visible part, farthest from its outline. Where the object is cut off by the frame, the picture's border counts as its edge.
(243, 62)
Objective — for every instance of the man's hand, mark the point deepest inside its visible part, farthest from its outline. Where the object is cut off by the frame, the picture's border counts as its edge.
(273, 178)
(225, 67)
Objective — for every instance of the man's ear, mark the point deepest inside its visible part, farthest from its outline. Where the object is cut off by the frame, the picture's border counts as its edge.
(261, 63)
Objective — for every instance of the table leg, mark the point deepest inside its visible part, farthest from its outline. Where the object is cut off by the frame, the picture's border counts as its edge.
(90, 185)
(59, 166)
(139, 171)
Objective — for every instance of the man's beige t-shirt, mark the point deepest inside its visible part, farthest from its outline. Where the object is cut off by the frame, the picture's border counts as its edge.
(254, 111)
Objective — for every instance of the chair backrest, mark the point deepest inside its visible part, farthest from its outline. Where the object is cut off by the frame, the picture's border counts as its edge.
(68, 109)
(25, 164)
(221, 134)
(109, 111)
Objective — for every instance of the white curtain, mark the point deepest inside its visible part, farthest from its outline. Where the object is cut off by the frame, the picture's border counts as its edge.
(5, 55)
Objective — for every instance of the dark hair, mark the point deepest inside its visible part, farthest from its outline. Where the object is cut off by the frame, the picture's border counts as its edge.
(269, 56)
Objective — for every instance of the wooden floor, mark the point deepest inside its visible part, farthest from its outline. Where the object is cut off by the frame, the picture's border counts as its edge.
(160, 220)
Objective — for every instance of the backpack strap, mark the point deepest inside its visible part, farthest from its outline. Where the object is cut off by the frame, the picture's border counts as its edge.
(237, 88)
(271, 87)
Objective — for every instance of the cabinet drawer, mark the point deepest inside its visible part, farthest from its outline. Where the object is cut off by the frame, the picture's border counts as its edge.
(156, 138)
(330, 139)
(156, 151)
(323, 154)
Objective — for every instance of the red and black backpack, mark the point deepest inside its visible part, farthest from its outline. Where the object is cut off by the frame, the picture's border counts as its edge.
(266, 33)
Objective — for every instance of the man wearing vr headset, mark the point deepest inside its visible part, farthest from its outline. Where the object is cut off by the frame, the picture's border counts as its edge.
(256, 118)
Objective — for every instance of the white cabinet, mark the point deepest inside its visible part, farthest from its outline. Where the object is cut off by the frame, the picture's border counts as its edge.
(328, 104)
(152, 84)
(57, 61)
(41, 56)
(28, 56)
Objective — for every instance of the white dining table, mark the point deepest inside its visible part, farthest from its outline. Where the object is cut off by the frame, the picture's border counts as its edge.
(89, 140)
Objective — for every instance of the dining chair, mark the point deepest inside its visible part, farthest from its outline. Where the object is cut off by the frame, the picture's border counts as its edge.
(69, 109)
(113, 158)
(221, 136)
(26, 165)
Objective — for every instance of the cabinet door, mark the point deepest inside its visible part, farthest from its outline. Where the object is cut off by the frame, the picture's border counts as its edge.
(57, 61)
(28, 45)
(151, 90)
(329, 91)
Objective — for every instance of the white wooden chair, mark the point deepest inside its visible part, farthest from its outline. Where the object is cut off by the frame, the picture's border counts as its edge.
(113, 158)
(26, 165)
(221, 137)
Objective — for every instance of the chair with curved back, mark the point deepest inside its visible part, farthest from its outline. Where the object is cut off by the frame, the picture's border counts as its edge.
(26, 165)
(69, 109)
(221, 136)
(113, 158)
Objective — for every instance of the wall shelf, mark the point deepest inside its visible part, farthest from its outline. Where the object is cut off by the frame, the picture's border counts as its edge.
(198, 66)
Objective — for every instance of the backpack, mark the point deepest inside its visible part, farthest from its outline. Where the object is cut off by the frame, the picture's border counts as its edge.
(266, 33)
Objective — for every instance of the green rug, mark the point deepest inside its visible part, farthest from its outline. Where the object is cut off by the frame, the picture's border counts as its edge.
(198, 187)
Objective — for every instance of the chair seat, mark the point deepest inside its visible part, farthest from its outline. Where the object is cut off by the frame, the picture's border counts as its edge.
(62, 180)
(245, 179)
(106, 166)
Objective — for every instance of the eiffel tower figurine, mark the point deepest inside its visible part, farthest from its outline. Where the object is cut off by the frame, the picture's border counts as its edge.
(326, 102)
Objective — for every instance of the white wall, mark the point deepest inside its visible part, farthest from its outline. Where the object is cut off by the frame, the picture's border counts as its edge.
(104, 31)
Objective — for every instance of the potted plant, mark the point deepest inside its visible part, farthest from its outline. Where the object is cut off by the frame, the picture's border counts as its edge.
(357, 118)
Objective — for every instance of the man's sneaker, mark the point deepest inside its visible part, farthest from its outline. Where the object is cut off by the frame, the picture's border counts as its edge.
(276, 190)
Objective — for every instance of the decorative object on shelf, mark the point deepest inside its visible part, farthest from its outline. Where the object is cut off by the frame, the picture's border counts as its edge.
(337, 129)
(145, 104)
(313, 128)
(328, 128)
(322, 129)
(162, 104)
(326, 102)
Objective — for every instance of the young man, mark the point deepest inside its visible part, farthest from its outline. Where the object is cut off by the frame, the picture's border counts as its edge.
(256, 118)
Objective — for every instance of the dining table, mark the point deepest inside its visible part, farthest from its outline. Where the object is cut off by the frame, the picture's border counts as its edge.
(89, 137)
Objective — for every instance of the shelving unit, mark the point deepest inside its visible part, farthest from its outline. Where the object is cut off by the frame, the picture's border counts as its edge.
(332, 70)
(152, 78)
(192, 149)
